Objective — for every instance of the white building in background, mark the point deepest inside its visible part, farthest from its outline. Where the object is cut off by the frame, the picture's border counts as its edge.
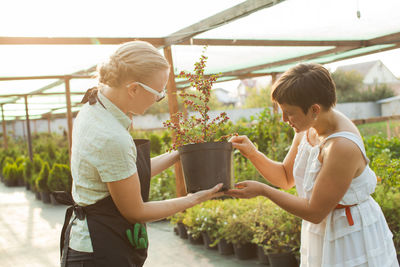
(390, 106)
(374, 72)
(225, 97)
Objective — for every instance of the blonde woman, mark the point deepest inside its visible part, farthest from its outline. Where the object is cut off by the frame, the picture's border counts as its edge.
(342, 223)
(111, 171)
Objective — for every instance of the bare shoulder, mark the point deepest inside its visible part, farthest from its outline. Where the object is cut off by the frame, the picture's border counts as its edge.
(340, 149)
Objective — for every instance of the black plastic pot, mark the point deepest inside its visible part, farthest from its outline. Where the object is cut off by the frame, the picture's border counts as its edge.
(10, 183)
(195, 241)
(262, 257)
(207, 241)
(245, 251)
(225, 248)
(37, 195)
(53, 200)
(207, 164)
(286, 259)
(27, 186)
(182, 231)
(176, 230)
(45, 196)
(21, 182)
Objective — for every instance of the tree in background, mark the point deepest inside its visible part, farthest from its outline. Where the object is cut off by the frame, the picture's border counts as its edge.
(350, 88)
(258, 97)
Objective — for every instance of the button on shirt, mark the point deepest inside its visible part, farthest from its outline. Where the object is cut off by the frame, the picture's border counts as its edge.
(102, 151)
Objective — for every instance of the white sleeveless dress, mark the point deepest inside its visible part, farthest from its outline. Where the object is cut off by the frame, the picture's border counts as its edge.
(333, 242)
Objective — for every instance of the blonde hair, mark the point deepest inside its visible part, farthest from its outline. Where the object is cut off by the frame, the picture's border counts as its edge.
(132, 61)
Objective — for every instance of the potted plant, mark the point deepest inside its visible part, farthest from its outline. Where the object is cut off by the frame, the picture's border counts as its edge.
(238, 229)
(211, 217)
(196, 139)
(10, 173)
(41, 183)
(281, 237)
(193, 221)
(177, 219)
(4, 161)
(58, 180)
(20, 161)
(36, 167)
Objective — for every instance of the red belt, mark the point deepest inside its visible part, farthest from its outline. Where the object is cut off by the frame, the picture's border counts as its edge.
(348, 213)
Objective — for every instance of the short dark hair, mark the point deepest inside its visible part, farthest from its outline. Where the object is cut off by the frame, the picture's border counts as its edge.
(305, 85)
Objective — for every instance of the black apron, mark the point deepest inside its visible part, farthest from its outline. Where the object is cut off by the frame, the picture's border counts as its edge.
(115, 241)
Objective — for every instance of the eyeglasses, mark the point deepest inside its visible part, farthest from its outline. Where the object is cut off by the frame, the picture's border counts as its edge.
(160, 95)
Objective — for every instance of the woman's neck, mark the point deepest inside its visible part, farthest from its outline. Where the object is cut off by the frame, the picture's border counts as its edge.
(115, 96)
(326, 123)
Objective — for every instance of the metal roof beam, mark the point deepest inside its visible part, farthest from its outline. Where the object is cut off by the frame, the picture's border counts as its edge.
(249, 42)
(219, 19)
(286, 61)
(75, 40)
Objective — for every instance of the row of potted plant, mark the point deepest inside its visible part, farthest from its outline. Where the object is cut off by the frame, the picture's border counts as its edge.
(36, 176)
(247, 228)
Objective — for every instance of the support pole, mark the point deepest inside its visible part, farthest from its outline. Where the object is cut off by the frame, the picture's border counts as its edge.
(49, 124)
(69, 114)
(28, 129)
(4, 128)
(275, 105)
(173, 109)
(14, 133)
(23, 130)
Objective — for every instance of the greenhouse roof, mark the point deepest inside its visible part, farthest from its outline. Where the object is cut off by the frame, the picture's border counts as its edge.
(245, 39)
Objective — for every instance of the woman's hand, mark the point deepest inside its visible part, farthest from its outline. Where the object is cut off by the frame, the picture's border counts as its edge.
(246, 189)
(245, 146)
(208, 194)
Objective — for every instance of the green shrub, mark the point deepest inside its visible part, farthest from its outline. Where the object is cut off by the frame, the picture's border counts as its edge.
(155, 144)
(8, 160)
(20, 160)
(238, 223)
(166, 138)
(192, 222)
(59, 177)
(6, 170)
(177, 217)
(20, 172)
(389, 201)
(162, 186)
(37, 164)
(11, 173)
(277, 231)
(62, 156)
(28, 170)
(42, 178)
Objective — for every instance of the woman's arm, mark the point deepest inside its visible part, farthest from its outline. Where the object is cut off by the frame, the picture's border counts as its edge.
(279, 174)
(127, 197)
(162, 162)
(341, 161)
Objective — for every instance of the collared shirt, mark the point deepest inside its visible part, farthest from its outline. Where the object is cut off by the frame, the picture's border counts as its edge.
(102, 151)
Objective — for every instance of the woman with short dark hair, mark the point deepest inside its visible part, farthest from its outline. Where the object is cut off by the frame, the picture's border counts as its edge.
(342, 224)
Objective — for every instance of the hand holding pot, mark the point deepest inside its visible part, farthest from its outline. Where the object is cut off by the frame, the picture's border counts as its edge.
(208, 194)
(245, 146)
(246, 189)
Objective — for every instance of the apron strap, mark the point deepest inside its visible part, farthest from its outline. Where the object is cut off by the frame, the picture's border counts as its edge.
(66, 230)
(64, 240)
